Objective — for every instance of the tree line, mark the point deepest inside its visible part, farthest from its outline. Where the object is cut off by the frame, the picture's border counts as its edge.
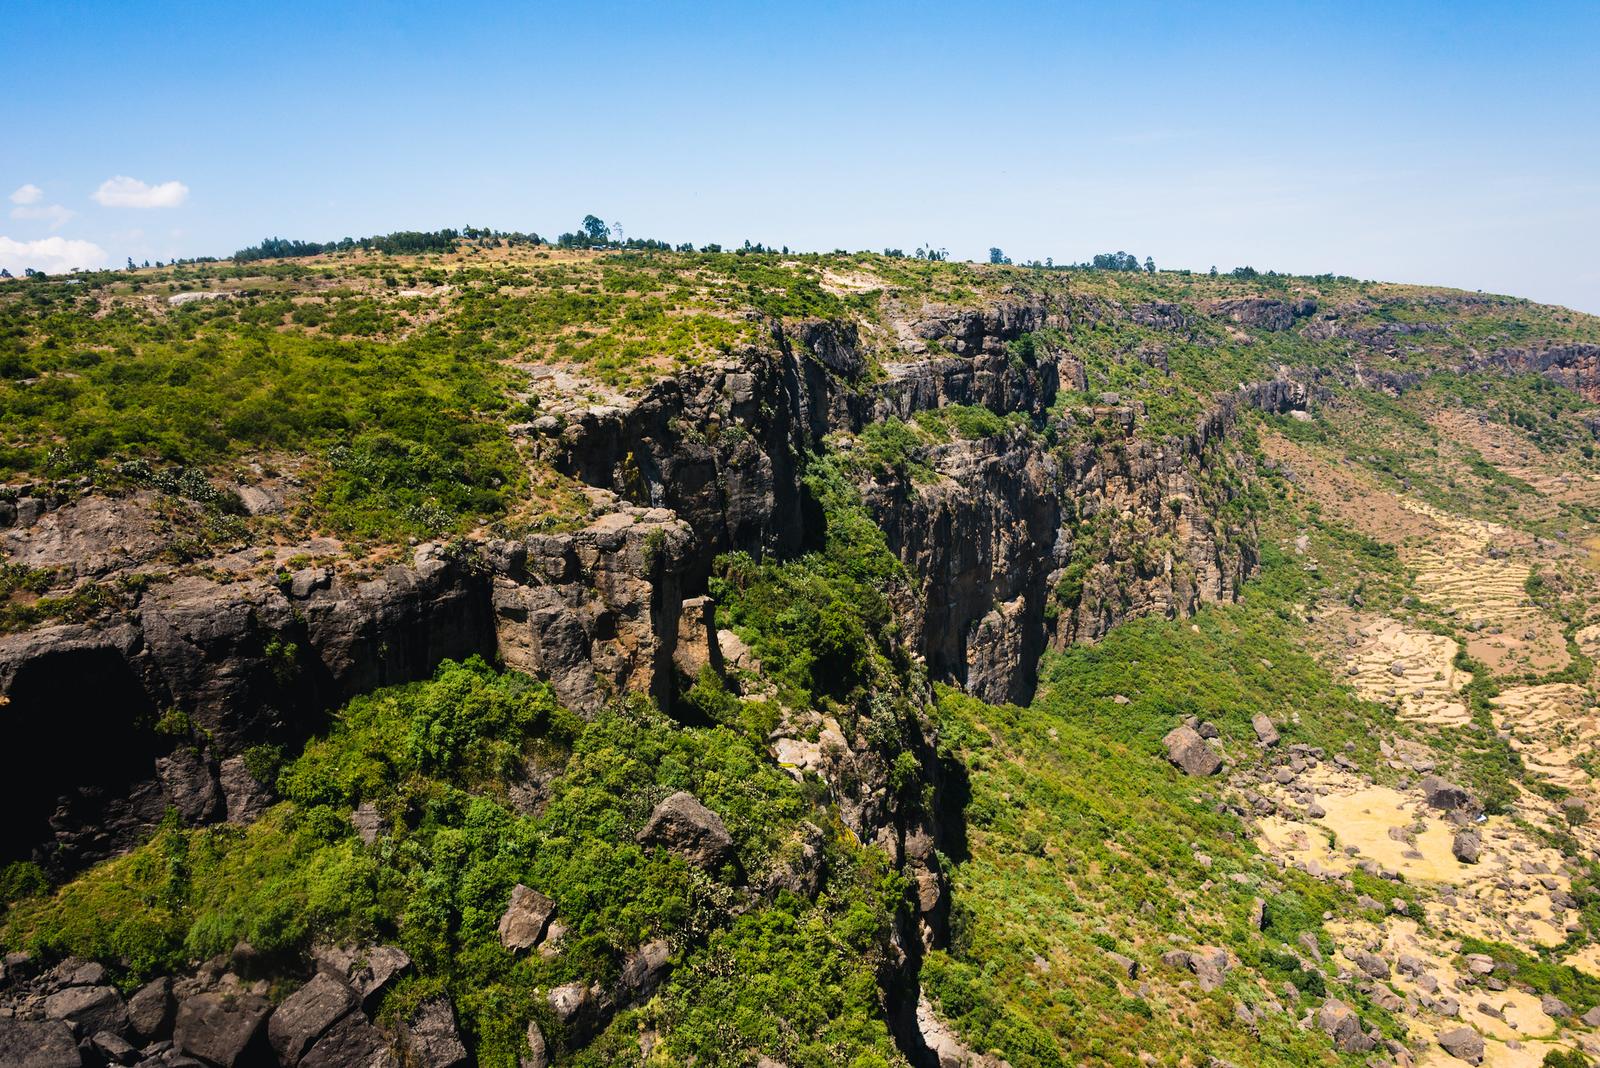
(399, 242)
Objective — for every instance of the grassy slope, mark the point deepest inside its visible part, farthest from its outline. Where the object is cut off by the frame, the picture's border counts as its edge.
(1083, 840)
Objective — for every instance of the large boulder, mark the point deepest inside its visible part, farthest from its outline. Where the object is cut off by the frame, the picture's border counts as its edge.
(37, 1044)
(1340, 1022)
(113, 1049)
(1467, 846)
(219, 1028)
(89, 1009)
(527, 914)
(1554, 1007)
(682, 825)
(150, 1009)
(580, 1008)
(1463, 1043)
(352, 1042)
(1446, 795)
(644, 969)
(306, 1015)
(538, 1055)
(430, 1038)
(189, 780)
(244, 797)
(1190, 753)
(1370, 963)
(1266, 730)
(1209, 964)
(368, 970)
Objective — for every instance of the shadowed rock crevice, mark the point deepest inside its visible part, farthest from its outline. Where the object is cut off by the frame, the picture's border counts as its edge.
(81, 745)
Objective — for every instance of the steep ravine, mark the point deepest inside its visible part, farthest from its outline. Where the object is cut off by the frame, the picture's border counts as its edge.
(707, 462)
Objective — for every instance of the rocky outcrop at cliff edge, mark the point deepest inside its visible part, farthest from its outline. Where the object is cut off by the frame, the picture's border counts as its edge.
(1576, 367)
(107, 727)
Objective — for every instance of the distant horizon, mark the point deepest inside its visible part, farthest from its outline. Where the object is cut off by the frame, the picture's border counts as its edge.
(548, 241)
(1428, 143)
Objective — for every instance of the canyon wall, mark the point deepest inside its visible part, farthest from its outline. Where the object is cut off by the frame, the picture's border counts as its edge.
(110, 725)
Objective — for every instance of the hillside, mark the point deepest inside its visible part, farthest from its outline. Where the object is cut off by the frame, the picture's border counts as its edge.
(518, 655)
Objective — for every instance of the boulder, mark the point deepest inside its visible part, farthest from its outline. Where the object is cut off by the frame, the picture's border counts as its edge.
(89, 1009)
(150, 1009)
(644, 969)
(189, 782)
(527, 914)
(352, 1042)
(368, 822)
(538, 1055)
(37, 1044)
(1127, 965)
(682, 825)
(1190, 753)
(1340, 1023)
(1467, 846)
(113, 1049)
(75, 971)
(1445, 795)
(369, 970)
(244, 797)
(306, 1015)
(1463, 1043)
(430, 1037)
(1209, 964)
(1308, 942)
(1370, 963)
(1554, 1007)
(218, 1028)
(580, 1008)
(1266, 731)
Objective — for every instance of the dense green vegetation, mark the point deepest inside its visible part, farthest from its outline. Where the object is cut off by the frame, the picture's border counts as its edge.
(405, 434)
(438, 760)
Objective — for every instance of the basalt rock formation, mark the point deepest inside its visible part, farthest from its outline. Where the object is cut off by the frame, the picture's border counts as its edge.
(705, 462)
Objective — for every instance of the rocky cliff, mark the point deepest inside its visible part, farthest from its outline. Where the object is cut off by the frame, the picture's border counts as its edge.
(113, 723)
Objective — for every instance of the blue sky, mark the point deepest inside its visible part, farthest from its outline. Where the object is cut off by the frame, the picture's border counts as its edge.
(1456, 143)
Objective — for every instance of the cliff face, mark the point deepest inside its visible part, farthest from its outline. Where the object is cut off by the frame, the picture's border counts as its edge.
(112, 725)
(1576, 367)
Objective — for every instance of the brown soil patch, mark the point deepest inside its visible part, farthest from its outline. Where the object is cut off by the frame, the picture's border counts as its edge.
(1412, 669)
(1553, 727)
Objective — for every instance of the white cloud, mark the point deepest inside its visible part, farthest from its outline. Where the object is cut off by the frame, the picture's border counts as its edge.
(52, 255)
(27, 194)
(125, 192)
(54, 214)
